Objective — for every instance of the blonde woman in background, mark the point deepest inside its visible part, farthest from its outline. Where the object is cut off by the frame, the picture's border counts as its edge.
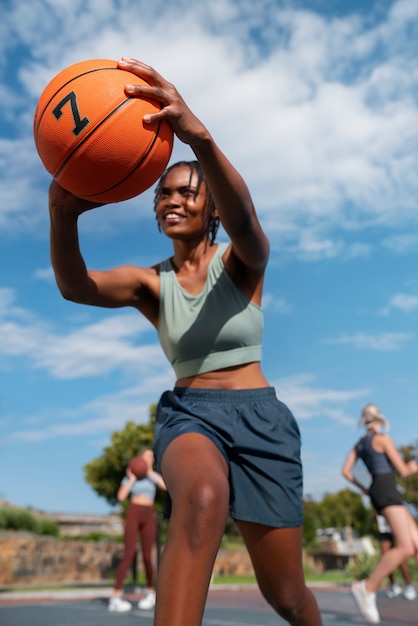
(382, 460)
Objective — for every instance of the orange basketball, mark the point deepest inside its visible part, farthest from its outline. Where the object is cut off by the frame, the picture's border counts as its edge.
(90, 136)
(138, 466)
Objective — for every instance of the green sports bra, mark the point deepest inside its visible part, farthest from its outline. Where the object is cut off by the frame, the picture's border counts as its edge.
(217, 328)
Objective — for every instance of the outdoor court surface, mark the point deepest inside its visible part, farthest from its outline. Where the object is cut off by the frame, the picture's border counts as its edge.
(225, 607)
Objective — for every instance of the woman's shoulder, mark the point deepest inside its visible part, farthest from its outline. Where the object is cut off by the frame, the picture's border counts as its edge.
(359, 443)
(165, 265)
(363, 442)
(381, 438)
(381, 443)
(134, 274)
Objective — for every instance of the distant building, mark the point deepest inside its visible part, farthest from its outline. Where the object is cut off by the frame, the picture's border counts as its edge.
(339, 546)
(344, 541)
(75, 525)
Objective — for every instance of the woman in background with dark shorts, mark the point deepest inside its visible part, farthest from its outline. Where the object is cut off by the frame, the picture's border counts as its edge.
(382, 460)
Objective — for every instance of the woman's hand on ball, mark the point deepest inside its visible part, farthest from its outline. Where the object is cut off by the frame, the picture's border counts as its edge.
(185, 124)
(130, 474)
(63, 200)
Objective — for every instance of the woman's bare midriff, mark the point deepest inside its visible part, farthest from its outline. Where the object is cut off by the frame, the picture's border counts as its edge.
(247, 376)
(142, 500)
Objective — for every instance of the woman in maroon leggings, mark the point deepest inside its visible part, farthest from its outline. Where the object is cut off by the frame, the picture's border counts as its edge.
(140, 517)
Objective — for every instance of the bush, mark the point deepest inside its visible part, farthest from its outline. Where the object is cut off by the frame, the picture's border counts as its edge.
(3, 519)
(48, 527)
(363, 565)
(93, 536)
(19, 519)
(14, 518)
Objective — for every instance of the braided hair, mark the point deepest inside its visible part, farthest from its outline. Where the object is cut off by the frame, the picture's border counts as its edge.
(195, 168)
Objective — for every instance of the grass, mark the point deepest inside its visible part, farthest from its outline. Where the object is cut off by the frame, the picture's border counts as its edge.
(234, 580)
(332, 576)
(63, 587)
(336, 577)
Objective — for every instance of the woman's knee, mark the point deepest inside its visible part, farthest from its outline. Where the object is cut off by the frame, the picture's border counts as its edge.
(147, 552)
(408, 551)
(208, 499)
(203, 505)
(405, 547)
(289, 603)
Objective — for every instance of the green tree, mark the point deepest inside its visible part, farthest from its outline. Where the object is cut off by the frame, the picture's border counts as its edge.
(153, 414)
(409, 484)
(105, 473)
(310, 523)
(344, 508)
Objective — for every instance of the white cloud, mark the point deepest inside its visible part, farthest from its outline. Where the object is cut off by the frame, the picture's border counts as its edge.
(104, 414)
(379, 342)
(318, 482)
(321, 125)
(307, 401)
(402, 302)
(9, 309)
(319, 114)
(403, 243)
(92, 350)
(273, 303)
(44, 274)
(99, 348)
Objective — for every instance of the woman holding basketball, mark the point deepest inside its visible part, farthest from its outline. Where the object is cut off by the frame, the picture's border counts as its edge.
(223, 441)
(140, 517)
(377, 451)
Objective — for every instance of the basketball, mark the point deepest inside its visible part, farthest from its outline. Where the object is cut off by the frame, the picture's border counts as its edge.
(91, 138)
(138, 466)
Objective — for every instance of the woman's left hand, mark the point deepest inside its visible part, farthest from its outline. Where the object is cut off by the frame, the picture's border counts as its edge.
(130, 474)
(62, 200)
(185, 124)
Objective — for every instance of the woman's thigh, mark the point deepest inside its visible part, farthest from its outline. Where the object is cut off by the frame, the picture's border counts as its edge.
(196, 475)
(276, 555)
(148, 529)
(131, 528)
(404, 527)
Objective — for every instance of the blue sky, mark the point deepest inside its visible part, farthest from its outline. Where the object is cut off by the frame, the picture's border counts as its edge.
(316, 103)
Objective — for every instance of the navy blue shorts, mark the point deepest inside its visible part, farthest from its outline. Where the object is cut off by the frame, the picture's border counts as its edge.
(259, 439)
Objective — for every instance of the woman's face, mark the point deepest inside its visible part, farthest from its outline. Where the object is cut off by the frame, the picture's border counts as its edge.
(148, 455)
(181, 208)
